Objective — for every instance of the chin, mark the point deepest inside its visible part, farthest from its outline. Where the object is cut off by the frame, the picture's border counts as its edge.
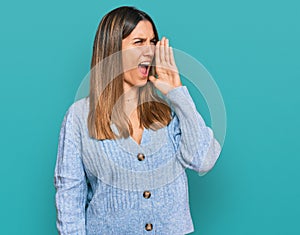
(138, 81)
(142, 83)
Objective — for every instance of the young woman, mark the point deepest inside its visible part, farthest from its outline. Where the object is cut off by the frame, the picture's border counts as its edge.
(123, 149)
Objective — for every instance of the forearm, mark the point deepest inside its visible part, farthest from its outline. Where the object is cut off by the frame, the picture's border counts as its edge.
(198, 149)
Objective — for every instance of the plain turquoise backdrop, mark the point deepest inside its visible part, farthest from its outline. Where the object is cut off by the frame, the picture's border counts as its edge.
(251, 48)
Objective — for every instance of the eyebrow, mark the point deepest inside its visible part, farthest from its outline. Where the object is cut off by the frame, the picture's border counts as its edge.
(141, 38)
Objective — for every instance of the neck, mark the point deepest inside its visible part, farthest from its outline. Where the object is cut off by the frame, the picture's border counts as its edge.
(131, 96)
(131, 93)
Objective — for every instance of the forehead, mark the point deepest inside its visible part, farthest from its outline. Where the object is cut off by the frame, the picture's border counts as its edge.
(143, 29)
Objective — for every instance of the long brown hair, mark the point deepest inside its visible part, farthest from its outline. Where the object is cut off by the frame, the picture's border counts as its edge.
(106, 80)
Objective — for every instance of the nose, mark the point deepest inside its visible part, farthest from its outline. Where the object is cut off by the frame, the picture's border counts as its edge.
(149, 49)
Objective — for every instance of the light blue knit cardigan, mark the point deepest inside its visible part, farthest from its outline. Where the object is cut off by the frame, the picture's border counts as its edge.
(101, 185)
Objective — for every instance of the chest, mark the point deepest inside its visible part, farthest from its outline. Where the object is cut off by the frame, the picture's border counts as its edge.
(137, 134)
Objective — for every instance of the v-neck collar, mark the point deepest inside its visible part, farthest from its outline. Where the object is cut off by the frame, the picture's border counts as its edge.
(143, 139)
(151, 141)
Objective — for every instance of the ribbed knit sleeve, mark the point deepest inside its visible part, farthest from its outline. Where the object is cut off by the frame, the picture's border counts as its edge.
(197, 147)
(69, 179)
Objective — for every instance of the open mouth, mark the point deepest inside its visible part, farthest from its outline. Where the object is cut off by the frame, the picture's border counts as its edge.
(144, 67)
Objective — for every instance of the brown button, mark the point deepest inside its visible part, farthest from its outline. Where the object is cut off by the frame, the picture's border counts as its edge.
(141, 157)
(148, 227)
(147, 194)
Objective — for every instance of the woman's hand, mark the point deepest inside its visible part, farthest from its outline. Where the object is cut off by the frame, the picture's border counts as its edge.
(167, 72)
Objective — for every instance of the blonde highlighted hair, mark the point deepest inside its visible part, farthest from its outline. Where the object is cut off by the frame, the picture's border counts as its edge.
(106, 80)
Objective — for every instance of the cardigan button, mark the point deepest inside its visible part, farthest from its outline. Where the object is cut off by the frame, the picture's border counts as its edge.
(147, 194)
(140, 157)
(148, 227)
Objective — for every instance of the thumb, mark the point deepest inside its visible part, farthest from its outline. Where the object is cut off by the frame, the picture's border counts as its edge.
(152, 79)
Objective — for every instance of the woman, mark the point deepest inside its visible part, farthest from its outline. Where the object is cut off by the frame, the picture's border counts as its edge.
(123, 149)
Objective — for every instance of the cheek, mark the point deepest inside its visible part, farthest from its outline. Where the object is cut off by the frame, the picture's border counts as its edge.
(131, 75)
(130, 58)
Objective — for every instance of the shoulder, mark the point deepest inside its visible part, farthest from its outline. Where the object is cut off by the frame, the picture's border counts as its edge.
(79, 107)
(174, 118)
(76, 112)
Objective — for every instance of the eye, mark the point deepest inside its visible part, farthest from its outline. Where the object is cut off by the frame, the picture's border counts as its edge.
(137, 42)
(153, 42)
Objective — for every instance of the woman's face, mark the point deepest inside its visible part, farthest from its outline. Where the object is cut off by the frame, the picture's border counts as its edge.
(137, 54)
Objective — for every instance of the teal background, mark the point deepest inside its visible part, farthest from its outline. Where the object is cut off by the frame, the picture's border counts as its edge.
(250, 48)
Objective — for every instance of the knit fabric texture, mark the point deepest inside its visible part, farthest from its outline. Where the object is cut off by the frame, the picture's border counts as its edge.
(108, 187)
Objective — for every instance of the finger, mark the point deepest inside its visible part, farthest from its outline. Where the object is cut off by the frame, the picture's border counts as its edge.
(172, 60)
(152, 79)
(167, 51)
(164, 41)
(157, 56)
(162, 50)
